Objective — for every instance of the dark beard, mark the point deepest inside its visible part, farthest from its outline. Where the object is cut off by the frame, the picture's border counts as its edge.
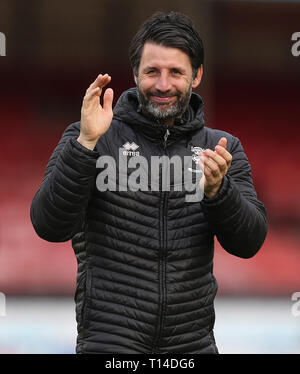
(155, 111)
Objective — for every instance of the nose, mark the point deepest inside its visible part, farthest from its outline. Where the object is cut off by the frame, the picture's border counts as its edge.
(163, 82)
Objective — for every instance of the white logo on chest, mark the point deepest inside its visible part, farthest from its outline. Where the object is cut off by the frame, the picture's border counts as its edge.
(130, 149)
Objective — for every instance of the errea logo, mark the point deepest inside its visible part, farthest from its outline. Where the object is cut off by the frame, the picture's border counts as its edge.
(130, 149)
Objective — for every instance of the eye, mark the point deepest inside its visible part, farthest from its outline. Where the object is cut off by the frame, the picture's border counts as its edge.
(176, 72)
(150, 71)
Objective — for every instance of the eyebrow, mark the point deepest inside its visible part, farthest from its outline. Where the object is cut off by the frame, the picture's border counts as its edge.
(150, 67)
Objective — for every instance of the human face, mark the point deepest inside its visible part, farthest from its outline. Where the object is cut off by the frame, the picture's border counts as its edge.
(165, 82)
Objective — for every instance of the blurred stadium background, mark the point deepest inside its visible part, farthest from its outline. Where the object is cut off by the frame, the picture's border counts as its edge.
(251, 87)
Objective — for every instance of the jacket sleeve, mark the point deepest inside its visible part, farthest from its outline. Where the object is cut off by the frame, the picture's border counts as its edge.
(236, 215)
(58, 208)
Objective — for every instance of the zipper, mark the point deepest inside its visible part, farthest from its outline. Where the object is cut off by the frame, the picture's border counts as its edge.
(162, 267)
(167, 133)
(163, 207)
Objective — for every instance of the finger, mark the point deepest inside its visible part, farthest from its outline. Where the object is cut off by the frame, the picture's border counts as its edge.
(207, 176)
(219, 160)
(211, 167)
(96, 87)
(223, 142)
(108, 99)
(201, 160)
(223, 153)
(89, 95)
(101, 81)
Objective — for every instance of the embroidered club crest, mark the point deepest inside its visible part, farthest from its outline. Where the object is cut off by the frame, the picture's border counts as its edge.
(196, 151)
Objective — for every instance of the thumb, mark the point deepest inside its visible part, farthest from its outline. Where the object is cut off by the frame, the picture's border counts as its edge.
(108, 99)
(223, 142)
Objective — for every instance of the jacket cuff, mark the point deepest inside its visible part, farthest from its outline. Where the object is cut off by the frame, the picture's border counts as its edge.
(75, 144)
(219, 196)
(223, 204)
(78, 158)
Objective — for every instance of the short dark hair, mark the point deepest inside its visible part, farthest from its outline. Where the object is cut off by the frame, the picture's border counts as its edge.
(172, 29)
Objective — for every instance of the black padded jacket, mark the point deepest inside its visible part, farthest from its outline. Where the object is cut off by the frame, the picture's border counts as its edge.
(145, 280)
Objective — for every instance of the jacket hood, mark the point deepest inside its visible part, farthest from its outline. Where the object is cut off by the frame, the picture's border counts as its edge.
(127, 110)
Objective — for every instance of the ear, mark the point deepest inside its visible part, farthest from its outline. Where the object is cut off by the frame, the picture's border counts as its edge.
(135, 78)
(198, 77)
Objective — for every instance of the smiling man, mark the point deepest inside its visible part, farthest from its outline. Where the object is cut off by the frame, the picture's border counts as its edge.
(165, 80)
(145, 279)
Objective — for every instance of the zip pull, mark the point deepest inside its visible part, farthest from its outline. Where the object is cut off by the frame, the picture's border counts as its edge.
(167, 133)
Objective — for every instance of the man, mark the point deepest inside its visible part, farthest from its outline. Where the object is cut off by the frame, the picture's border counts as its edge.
(145, 256)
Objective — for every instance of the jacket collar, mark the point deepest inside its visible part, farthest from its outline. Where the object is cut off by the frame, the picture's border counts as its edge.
(127, 110)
